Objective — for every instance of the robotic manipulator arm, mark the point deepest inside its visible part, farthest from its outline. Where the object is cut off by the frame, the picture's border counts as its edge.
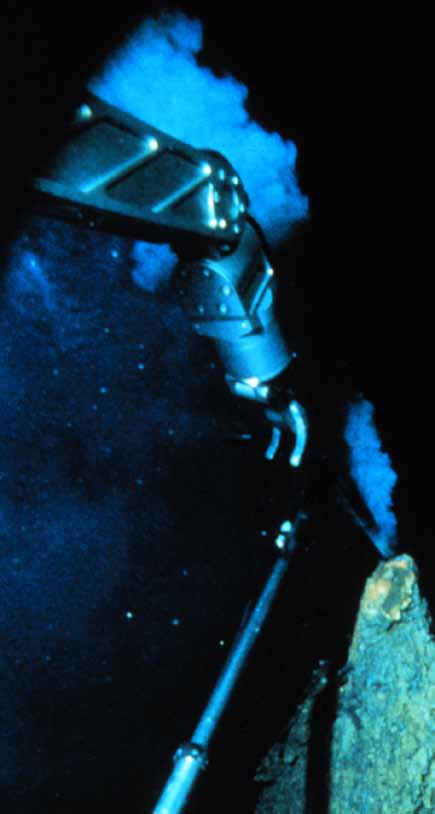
(116, 173)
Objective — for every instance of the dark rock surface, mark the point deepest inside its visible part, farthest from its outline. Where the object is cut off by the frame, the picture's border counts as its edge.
(380, 749)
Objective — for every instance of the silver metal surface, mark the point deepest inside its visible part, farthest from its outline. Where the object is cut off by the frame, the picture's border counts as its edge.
(188, 765)
(179, 785)
(238, 656)
(127, 176)
(231, 299)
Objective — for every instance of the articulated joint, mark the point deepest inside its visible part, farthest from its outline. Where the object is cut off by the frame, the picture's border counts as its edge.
(192, 750)
(282, 411)
(231, 299)
(287, 539)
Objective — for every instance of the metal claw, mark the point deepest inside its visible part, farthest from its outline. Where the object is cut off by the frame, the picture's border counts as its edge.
(299, 426)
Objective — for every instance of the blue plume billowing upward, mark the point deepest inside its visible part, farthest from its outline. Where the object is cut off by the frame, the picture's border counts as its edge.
(373, 474)
(155, 76)
(96, 400)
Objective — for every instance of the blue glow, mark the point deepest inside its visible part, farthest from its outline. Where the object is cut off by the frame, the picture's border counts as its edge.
(78, 485)
(274, 443)
(300, 429)
(153, 265)
(155, 76)
(81, 481)
(372, 472)
(31, 283)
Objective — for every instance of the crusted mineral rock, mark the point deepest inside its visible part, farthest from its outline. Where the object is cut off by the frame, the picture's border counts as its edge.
(284, 769)
(381, 745)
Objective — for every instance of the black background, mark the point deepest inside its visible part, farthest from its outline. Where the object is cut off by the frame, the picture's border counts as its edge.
(353, 87)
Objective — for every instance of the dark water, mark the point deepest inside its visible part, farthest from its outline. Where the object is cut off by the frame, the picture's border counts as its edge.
(131, 531)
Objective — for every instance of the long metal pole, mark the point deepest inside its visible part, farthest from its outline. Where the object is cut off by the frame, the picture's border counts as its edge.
(191, 757)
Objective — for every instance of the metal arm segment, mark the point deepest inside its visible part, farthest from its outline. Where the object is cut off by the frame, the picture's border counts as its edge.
(119, 173)
(191, 758)
(231, 299)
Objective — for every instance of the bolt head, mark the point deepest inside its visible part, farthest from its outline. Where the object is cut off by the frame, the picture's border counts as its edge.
(85, 112)
(152, 143)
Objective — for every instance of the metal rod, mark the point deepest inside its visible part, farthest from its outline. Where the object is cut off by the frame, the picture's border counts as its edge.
(238, 656)
(191, 757)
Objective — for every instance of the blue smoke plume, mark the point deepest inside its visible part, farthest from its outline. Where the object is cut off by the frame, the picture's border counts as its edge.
(156, 77)
(372, 472)
(96, 398)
